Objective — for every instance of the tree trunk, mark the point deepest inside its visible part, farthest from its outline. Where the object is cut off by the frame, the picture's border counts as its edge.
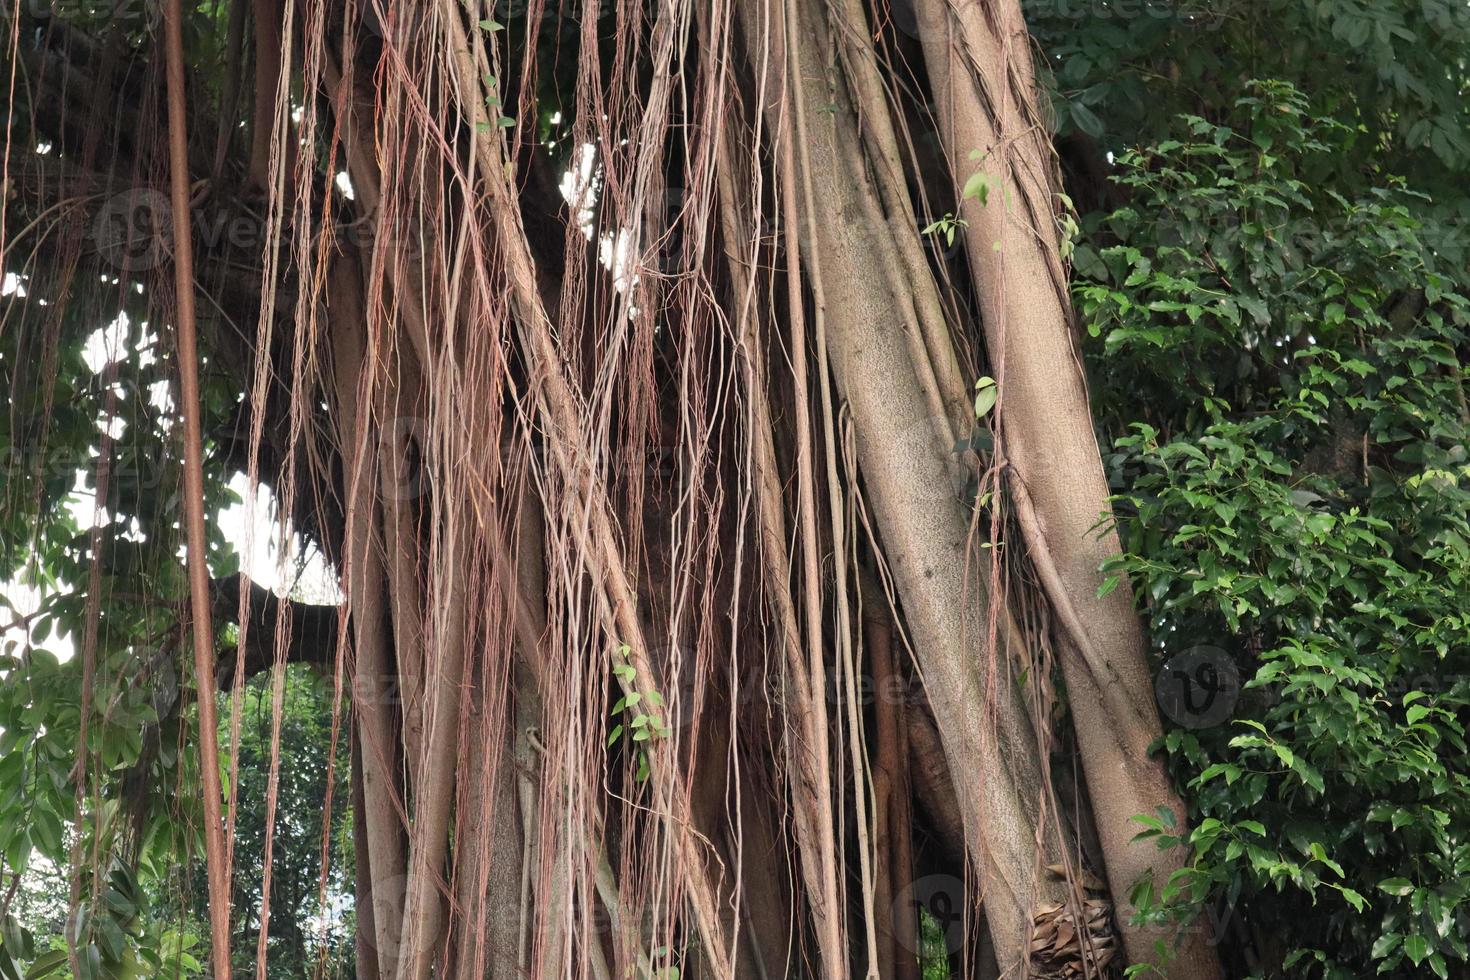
(979, 64)
(875, 352)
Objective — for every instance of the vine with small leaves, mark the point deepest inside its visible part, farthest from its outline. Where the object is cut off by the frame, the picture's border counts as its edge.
(642, 725)
(947, 226)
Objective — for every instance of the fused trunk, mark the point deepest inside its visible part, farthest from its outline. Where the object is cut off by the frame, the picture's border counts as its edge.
(875, 350)
(979, 63)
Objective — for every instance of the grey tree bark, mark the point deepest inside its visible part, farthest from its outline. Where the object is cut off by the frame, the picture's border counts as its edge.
(979, 63)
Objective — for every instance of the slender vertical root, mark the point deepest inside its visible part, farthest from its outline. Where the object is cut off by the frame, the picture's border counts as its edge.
(214, 839)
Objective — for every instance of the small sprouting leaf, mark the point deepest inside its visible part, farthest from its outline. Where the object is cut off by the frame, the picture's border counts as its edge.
(978, 187)
(985, 395)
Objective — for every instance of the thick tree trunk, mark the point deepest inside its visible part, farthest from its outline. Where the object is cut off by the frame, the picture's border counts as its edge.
(875, 350)
(372, 673)
(496, 814)
(489, 844)
(979, 64)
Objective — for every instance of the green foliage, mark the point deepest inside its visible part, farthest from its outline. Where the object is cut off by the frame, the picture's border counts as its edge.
(933, 953)
(1392, 70)
(297, 942)
(947, 227)
(1290, 446)
(638, 724)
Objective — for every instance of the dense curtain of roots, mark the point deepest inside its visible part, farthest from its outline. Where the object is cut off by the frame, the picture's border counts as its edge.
(627, 659)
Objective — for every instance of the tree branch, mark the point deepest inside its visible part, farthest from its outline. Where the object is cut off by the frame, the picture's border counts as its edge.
(311, 630)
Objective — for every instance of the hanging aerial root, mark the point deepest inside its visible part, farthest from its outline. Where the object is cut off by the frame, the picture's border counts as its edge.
(214, 840)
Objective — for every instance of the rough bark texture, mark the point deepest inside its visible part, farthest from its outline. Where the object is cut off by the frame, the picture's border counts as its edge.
(372, 676)
(460, 405)
(986, 733)
(979, 63)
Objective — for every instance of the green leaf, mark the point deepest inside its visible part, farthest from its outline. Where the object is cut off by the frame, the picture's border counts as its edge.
(1088, 263)
(1386, 944)
(977, 187)
(18, 852)
(985, 395)
(1086, 119)
(47, 964)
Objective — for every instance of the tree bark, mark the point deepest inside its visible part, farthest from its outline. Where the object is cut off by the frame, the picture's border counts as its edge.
(979, 64)
(884, 373)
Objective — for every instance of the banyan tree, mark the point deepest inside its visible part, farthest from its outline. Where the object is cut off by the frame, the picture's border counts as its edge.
(684, 401)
